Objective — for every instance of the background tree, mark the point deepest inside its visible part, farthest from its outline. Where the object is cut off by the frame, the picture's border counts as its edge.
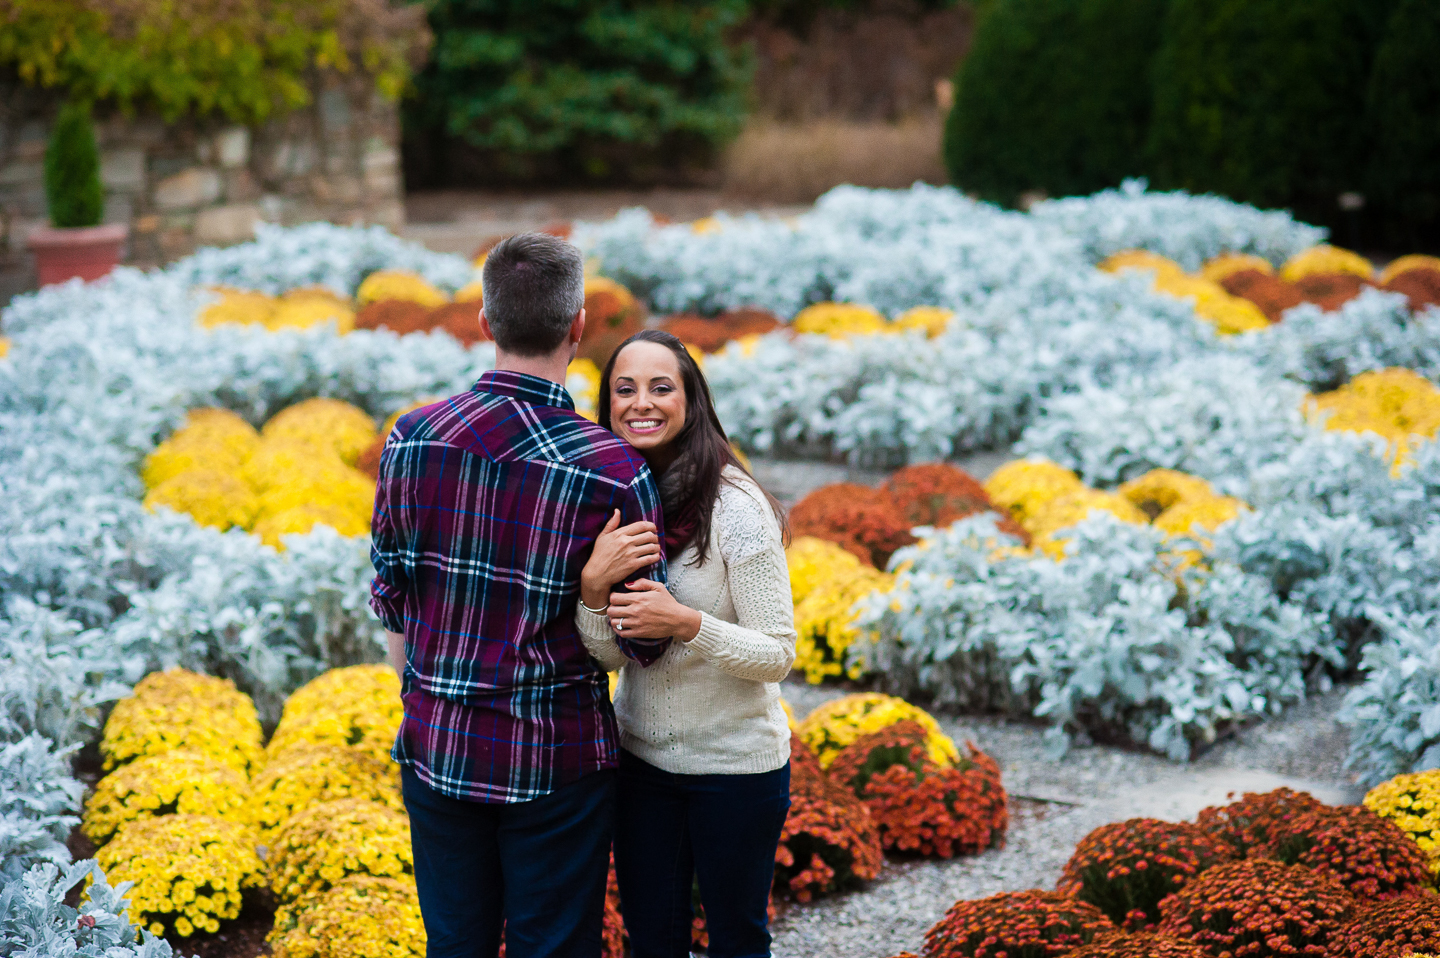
(72, 170)
(1404, 127)
(576, 89)
(1054, 96)
(1264, 100)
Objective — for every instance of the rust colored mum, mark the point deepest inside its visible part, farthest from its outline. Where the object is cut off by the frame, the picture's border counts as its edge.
(1127, 868)
(1143, 945)
(1420, 286)
(1369, 855)
(400, 316)
(1391, 929)
(1271, 293)
(1330, 291)
(1247, 823)
(862, 520)
(612, 315)
(937, 494)
(1018, 924)
(828, 842)
(461, 320)
(1256, 909)
(711, 333)
(918, 805)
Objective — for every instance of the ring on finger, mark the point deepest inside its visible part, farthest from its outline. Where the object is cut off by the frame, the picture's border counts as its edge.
(620, 624)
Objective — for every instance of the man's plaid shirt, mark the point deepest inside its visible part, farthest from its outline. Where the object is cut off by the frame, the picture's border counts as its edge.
(487, 508)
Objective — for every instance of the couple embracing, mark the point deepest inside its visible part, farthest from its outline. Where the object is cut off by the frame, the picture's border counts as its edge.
(520, 553)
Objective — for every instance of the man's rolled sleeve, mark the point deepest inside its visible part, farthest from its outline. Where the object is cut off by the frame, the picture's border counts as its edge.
(390, 584)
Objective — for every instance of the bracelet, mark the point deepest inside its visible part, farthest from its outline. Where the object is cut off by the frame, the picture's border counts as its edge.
(600, 611)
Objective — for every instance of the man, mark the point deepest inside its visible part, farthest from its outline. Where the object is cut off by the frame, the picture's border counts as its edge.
(487, 506)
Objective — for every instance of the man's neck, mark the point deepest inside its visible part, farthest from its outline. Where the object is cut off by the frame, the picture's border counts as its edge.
(551, 367)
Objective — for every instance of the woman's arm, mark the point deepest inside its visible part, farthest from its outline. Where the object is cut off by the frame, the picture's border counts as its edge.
(761, 646)
(599, 640)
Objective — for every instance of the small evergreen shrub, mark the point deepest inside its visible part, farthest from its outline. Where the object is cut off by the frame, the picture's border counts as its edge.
(1053, 96)
(72, 170)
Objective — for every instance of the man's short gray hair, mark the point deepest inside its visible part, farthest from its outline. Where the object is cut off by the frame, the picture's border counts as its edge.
(534, 285)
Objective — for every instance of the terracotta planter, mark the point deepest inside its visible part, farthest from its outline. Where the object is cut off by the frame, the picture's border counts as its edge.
(88, 252)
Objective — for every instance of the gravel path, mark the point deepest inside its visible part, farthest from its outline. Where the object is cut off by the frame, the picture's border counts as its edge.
(1054, 804)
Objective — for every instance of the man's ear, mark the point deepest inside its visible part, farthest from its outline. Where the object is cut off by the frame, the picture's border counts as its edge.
(577, 328)
(485, 325)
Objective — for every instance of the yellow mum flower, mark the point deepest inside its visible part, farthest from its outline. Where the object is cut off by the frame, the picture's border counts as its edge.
(1181, 286)
(1402, 265)
(324, 424)
(180, 709)
(824, 623)
(302, 309)
(360, 917)
(839, 320)
(358, 706)
(1207, 513)
(307, 775)
(1022, 487)
(299, 520)
(1232, 315)
(4, 346)
(211, 497)
(1159, 489)
(814, 561)
(216, 439)
(187, 782)
(171, 856)
(321, 846)
(399, 284)
(1142, 259)
(932, 319)
(705, 225)
(1228, 264)
(1073, 507)
(1413, 802)
(345, 490)
(279, 462)
(238, 307)
(582, 380)
(1325, 259)
(471, 292)
(1398, 404)
(836, 724)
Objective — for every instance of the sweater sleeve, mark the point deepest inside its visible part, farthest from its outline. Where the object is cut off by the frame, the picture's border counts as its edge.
(599, 639)
(761, 645)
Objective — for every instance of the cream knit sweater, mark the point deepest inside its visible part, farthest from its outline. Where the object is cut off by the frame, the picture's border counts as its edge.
(712, 705)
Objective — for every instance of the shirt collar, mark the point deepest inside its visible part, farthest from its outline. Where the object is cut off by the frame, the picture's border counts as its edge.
(524, 387)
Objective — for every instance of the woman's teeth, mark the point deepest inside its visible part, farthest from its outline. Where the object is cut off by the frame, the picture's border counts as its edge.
(644, 424)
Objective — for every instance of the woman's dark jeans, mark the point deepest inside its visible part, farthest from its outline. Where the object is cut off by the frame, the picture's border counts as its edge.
(722, 829)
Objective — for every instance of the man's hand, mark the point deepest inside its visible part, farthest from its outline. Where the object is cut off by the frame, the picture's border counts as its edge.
(395, 652)
(651, 612)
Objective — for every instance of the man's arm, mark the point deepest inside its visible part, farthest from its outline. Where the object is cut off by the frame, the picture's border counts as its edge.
(388, 587)
(395, 641)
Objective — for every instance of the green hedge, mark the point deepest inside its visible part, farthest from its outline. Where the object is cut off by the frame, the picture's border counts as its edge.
(1264, 100)
(1404, 126)
(1054, 95)
(582, 88)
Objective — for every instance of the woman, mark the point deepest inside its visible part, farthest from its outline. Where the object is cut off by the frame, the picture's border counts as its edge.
(705, 763)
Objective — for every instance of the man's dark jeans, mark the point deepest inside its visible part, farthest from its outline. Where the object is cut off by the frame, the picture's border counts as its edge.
(536, 868)
(720, 829)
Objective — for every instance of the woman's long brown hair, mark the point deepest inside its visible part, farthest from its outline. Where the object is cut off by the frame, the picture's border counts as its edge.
(702, 437)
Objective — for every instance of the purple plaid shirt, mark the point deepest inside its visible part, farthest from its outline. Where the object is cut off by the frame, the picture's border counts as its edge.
(487, 508)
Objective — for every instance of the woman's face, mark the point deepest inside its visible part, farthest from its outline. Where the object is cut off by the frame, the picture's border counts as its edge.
(647, 398)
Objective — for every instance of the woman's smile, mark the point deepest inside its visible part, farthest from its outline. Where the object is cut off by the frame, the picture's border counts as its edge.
(647, 399)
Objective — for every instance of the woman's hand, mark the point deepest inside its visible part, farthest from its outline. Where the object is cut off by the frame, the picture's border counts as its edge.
(620, 552)
(651, 612)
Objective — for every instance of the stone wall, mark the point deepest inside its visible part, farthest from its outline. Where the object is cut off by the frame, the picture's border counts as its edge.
(199, 183)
